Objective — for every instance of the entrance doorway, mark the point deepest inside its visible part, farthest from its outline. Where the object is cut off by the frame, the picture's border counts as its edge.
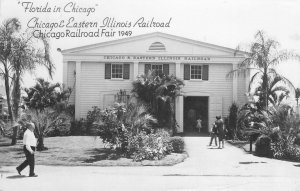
(195, 107)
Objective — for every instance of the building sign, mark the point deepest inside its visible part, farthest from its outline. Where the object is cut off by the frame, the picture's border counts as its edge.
(157, 58)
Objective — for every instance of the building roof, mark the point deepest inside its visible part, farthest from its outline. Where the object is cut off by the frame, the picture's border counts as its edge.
(154, 34)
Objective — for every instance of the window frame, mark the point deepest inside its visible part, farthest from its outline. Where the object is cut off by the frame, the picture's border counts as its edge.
(158, 64)
(201, 74)
(111, 71)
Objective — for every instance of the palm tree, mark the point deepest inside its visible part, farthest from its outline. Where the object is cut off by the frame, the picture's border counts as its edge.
(261, 59)
(41, 100)
(22, 53)
(276, 90)
(159, 92)
(7, 32)
(25, 57)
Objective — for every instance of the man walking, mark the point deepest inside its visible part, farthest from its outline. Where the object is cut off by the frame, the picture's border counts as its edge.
(29, 142)
(221, 131)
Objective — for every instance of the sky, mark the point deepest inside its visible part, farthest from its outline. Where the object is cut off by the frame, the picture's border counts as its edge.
(228, 23)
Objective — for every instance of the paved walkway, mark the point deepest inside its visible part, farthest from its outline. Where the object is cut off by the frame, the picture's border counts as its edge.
(207, 168)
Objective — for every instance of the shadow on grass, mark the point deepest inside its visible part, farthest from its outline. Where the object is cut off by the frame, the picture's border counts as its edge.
(16, 176)
(101, 154)
(5, 144)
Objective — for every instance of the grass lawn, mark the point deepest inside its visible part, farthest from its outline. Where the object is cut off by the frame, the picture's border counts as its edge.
(75, 151)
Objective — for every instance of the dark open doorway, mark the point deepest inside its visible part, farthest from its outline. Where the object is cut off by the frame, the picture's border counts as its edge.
(195, 107)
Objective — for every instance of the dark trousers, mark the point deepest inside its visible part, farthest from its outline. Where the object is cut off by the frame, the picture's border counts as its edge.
(212, 137)
(29, 161)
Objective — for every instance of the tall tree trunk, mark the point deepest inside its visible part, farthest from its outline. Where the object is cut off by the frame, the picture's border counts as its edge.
(40, 146)
(265, 89)
(16, 94)
(7, 88)
(8, 99)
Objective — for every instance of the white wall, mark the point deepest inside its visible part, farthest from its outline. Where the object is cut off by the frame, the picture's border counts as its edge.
(97, 91)
(218, 88)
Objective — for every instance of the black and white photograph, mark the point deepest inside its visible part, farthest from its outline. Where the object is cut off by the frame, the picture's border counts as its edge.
(170, 95)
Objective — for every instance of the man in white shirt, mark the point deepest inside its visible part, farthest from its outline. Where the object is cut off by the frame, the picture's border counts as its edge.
(29, 142)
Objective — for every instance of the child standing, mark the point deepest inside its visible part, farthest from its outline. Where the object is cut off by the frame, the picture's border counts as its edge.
(199, 124)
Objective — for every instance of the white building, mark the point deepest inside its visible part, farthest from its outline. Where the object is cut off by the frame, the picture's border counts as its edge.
(98, 71)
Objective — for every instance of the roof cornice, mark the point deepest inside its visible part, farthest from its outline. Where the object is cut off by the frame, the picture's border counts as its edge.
(154, 34)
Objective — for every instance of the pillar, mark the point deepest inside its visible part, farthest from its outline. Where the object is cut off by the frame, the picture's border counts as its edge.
(65, 74)
(179, 113)
(177, 69)
(235, 85)
(135, 69)
(77, 90)
(179, 102)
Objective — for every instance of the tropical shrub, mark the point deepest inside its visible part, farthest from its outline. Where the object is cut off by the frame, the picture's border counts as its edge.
(158, 92)
(263, 146)
(111, 128)
(177, 144)
(115, 124)
(129, 130)
(92, 116)
(46, 103)
(232, 121)
(152, 146)
(285, 149)
(253, 121)
(297, 141)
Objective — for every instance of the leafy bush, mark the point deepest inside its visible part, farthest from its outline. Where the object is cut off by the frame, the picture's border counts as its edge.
(129, 130)
(92, 116)
(153, 146)
(111, 128)
(263, 146)
(117, 123)
(62, 130)
(232, 121)
(297, 141)
(284, 149)
(177, 144)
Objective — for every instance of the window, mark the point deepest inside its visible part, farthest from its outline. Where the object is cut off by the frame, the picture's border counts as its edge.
(158, 68)
(196, 72)
(116, 71)
(157, 46)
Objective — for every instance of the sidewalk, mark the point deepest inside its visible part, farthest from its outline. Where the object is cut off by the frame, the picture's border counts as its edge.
(231, 161)
(207, 168)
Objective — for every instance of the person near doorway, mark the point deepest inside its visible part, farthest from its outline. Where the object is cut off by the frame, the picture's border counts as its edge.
(221, 130)
(199, 124)
(29, 142)
(213, 135)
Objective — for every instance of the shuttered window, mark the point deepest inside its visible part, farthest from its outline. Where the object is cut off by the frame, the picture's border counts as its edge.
(158, 68)
(196, 72)
(117, 71)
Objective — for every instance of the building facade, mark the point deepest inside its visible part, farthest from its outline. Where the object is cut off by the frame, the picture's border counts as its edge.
(98, 72)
